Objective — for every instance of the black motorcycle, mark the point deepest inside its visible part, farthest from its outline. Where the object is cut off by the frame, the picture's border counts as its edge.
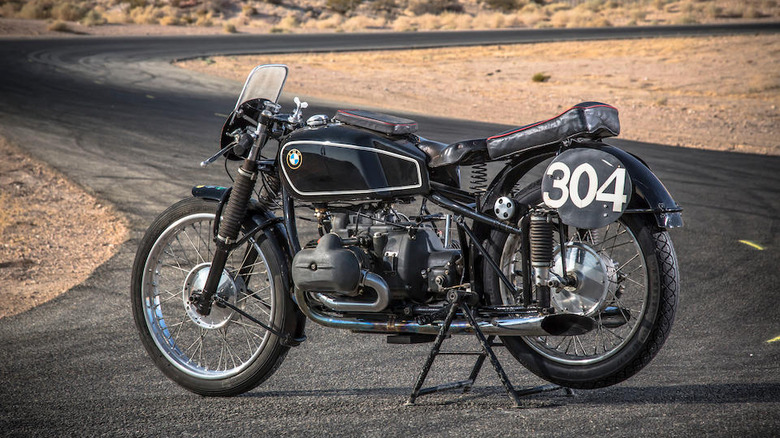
(573, 269)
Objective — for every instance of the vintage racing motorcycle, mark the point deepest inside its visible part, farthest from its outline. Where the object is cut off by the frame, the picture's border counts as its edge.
(573, 268)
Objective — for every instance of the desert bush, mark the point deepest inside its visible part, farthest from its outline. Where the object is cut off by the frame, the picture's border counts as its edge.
(68, 12)
(248, 10)
(34, 10)
(93, 18)
(502, 5)
(145, 15)
(751, 12)
(290, 21)
(229, 28)
(342, 6)
(383, 6)
(361, 22)
(170, 20)
(540, 77)
(686, 19)
(404, 24)
(329, 22)
(58, 26)
(435, 7)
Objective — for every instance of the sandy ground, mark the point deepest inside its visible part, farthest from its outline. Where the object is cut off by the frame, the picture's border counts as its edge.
(718, 93)
(53, 234)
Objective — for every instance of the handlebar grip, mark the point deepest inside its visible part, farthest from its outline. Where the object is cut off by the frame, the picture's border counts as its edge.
(244, 143)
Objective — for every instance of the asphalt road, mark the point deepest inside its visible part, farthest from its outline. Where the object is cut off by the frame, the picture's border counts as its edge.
(115, 117)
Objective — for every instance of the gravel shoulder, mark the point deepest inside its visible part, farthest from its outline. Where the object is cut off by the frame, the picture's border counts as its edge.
(719, 93)
(52, 233)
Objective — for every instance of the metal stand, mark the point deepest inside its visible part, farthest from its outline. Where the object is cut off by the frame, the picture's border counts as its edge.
(457, 300)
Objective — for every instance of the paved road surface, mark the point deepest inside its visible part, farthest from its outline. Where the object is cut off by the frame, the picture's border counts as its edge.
(114, 116)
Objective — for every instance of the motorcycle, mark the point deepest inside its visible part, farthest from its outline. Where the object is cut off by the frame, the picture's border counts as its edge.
(574, 270)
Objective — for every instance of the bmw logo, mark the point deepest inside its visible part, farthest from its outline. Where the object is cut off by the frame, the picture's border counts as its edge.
(294, 158)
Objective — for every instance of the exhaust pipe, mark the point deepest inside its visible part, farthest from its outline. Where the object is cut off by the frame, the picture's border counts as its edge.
(369, 279)
(536, 325)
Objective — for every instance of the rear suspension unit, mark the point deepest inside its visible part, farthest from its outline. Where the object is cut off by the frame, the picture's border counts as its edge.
(541, 243)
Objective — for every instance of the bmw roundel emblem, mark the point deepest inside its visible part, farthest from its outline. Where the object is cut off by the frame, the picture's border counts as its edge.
(294, 158)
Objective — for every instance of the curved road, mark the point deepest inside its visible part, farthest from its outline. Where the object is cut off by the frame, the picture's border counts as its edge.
(114, 116)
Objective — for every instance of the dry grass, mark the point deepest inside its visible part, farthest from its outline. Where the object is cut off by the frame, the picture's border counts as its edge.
(399, 15)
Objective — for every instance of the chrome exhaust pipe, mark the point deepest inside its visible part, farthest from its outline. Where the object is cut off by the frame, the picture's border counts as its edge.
(369, 279)
(535, 325)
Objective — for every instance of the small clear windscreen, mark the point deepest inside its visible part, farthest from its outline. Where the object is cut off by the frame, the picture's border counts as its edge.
(264, 82)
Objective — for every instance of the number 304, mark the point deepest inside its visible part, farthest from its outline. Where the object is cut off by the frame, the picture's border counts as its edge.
(569, 185)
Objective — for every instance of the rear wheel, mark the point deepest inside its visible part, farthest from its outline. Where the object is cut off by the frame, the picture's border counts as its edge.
(628, 283)
(224, 353)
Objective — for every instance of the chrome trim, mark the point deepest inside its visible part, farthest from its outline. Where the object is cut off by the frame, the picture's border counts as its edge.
(369, 279)
(535, 325)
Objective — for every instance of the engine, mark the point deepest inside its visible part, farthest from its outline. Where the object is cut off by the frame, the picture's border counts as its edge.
(367, 261)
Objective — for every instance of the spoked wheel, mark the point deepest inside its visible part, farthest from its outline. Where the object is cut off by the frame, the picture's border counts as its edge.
(223, 353)
(627, 281)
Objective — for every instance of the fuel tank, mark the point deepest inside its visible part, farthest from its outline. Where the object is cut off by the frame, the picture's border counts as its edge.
(347, 163)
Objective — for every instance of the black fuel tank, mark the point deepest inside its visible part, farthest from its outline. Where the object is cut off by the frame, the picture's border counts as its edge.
(342, 162)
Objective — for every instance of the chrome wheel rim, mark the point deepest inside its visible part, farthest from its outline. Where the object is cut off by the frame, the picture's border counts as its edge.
(224, 343)
(625, 298)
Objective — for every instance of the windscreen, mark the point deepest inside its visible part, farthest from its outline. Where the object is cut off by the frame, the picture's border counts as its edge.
(264, 82)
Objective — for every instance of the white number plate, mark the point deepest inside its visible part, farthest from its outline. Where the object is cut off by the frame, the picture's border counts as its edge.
(588, 187)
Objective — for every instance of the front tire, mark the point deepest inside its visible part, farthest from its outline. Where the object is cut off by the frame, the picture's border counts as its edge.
(632, 323)
(223, 354)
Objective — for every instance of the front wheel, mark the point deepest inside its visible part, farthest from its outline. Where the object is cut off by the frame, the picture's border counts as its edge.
(633, 313)
(224, 353)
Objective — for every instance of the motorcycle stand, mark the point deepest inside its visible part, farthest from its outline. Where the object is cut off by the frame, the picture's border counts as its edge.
(457, 300)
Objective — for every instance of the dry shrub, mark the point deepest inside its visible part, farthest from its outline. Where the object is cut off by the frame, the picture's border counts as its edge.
(495, 20)
(404, 24)
(289, 22)
(686, 19)
(502, 5)
(229, 28)
(342, 6)
(329, 22)
(145, 15)
(93, 18)
(248, 10)
(34, 10)
(435, 7)
(428, 22)
(361, 22)
(68, 12)
(170, 20)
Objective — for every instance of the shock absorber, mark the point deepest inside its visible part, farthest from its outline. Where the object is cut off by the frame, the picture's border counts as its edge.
(232, 217)
(541, 246)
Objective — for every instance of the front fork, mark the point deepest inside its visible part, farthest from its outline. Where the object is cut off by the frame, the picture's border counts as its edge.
(230, 224)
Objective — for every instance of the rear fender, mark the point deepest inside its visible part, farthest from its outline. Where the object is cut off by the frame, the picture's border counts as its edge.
(650, 195)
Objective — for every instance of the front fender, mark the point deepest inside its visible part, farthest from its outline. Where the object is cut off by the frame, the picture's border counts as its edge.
(650, 194)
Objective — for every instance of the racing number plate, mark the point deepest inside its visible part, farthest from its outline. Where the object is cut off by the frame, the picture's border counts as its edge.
(589, 188)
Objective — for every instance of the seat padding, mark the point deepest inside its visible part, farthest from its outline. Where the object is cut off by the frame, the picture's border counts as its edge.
(379, 122)
(589, 120)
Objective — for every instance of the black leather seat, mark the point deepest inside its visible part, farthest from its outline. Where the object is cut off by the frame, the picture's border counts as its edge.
(464, 152)
(590, 120)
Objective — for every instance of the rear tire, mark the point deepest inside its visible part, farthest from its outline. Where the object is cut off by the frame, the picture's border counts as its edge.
(223, 354)
(607, 355)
